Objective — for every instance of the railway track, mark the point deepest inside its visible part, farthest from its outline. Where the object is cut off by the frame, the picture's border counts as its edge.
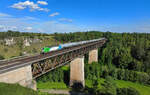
(13, 64)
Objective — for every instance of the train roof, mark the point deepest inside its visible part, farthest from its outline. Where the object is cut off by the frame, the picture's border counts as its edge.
(82, 42)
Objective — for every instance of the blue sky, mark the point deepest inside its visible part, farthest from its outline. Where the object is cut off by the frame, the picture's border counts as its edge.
(49, 16)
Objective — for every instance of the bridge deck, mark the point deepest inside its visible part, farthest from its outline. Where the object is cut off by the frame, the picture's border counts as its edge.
(13, 64)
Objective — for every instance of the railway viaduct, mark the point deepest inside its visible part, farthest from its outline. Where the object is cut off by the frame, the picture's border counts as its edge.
(25, 70)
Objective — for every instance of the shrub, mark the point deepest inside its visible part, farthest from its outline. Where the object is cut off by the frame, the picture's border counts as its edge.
(109, 86)
(143, 78)
(1, 57)
(127, 91)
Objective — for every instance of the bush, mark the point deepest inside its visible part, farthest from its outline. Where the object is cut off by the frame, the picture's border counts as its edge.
(92, 70)
(143, 78)
(56, 75)
(127, 91)
(109, 86)
(1, 57)
(125, 74)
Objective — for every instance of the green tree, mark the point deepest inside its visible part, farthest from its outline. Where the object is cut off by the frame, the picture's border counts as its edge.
(127, 91)
(109, 86)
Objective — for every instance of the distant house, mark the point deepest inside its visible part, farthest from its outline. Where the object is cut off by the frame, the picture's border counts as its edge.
(26, 42)
(9, 41)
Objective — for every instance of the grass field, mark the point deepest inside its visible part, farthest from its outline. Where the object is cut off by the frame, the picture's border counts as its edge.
(16, 89)
(88, 83)
(144, 90)
(52, 85)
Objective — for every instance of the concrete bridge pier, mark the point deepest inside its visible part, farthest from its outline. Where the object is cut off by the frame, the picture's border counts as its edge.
(93, 56)
(32, 84)
(21, 75)
(77, 72)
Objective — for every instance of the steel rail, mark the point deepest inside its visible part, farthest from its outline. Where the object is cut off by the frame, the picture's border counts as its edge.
(29, 60)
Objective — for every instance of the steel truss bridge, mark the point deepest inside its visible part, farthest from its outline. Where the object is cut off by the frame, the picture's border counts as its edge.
(43, 63)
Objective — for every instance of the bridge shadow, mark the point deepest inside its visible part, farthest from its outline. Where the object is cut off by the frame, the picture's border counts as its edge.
(66, 77)
(77, 93)
(79, 89)
(77, 86)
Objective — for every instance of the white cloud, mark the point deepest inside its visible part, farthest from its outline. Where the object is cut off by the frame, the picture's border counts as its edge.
(42, 2)
(30, 18)
(54, 14)
(54, 26)
(13, 28)
(17, 24)
(28, 28)
(29, 24)
(65, 20)
(27, 4)
(139, 27)
(5, 28)
(1, 27)
(23, 5)
(44, 9)
(4, 15)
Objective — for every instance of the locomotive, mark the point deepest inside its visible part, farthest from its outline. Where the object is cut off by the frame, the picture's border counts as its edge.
(61, 46)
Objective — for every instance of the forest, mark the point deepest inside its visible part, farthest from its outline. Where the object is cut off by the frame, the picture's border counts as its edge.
(11, 33)
(123, 50)
(125, 56)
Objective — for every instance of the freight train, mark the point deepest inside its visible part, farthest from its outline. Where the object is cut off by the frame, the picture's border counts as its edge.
(61, 46)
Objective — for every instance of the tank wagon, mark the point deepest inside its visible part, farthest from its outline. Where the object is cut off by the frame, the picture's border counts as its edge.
(61, 46)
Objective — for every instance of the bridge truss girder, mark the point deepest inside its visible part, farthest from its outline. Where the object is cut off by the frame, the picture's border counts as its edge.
(41, 67)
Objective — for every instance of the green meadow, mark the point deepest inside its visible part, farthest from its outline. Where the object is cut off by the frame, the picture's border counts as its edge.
(143, 89)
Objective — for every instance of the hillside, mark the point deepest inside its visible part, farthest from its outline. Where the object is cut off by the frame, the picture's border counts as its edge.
(13, 45)
(143, 89)
(16, 89)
